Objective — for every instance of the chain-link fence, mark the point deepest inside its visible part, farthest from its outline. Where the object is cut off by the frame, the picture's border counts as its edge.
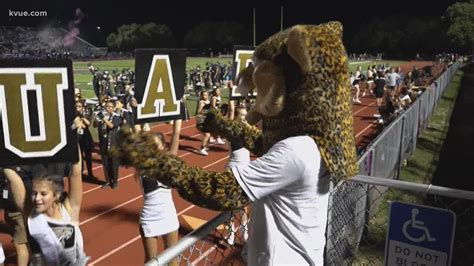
(357, 213)
(373, 231)
(383, 159)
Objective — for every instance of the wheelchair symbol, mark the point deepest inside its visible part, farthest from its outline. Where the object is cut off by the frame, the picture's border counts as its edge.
(418, 225)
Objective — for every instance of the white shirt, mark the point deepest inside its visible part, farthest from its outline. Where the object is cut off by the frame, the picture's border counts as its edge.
(2, 254)
(237, 157)
(392, 79)
(290, 200)
(50, 235)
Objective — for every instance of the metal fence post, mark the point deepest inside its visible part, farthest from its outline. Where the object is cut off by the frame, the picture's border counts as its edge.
(400, 163)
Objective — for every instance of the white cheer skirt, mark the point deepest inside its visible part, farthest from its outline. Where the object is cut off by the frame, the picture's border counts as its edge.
(158, 216)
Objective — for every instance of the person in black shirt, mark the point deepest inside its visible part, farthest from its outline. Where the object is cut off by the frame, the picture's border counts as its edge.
(86, 143)
(108, 124)
(125, 114)
(379, 87)
(203, 106)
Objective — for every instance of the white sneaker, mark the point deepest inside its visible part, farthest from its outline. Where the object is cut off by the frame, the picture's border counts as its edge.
(231, 238)
(212, 140)
(220, 141)
(357, 101)
(244, 231)
(203, 152)
(377, 115)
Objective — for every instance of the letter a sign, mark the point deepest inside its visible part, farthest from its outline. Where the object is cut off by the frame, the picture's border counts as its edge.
(37, 111)
(159, 84)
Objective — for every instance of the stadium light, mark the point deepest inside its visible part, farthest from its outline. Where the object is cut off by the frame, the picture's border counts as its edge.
(281, 19)
(254, 27)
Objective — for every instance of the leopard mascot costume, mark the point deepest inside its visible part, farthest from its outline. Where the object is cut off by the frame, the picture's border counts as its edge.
(306, 139)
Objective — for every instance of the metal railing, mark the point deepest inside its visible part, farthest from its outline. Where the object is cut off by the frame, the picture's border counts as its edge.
(356, 207)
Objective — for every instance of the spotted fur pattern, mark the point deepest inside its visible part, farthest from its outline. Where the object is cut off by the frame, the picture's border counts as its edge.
(212, 190)
(318, 103)
(214, 122)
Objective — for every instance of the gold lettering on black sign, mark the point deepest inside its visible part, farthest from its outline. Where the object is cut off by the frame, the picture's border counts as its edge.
(48, 84)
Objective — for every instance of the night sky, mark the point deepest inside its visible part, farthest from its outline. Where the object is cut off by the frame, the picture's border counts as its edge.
(182, 15)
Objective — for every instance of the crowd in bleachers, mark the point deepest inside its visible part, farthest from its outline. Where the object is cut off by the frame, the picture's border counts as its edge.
(24, 42)
(21, 42)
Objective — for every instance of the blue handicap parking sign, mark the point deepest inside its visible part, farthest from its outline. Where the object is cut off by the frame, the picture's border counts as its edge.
(419, 235)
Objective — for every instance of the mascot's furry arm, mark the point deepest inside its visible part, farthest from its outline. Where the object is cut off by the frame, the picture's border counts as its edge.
(212, 190)
(214, 122)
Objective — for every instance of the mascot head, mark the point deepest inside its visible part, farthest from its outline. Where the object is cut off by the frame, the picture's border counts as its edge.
(302, 82)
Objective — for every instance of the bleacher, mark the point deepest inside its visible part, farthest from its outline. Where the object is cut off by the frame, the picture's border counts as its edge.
(45, 42)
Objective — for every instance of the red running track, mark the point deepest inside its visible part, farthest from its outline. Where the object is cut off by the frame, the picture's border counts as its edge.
(109, 218)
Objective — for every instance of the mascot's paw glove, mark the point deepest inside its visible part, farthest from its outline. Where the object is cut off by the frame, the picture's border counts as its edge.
(131, 148)
(208, 121)
(139, 150)
(209, 189)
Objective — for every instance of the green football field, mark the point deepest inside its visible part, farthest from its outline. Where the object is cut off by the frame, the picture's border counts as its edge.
(83, 78)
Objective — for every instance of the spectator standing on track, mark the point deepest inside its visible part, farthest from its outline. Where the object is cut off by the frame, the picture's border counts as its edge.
(392, 79)
(53, 216)
(415, 73)
(379, 88)
(158, 216)
(399, 81)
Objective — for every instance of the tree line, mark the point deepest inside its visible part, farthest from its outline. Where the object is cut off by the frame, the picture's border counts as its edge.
(396, 36)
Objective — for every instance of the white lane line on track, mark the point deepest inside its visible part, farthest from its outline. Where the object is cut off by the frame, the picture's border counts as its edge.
(110, 210)
(358, 62)
(363, 130)
(363, 108)
(130, 241)
(196, 261)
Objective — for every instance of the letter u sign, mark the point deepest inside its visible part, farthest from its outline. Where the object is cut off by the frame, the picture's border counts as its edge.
(47, 84)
